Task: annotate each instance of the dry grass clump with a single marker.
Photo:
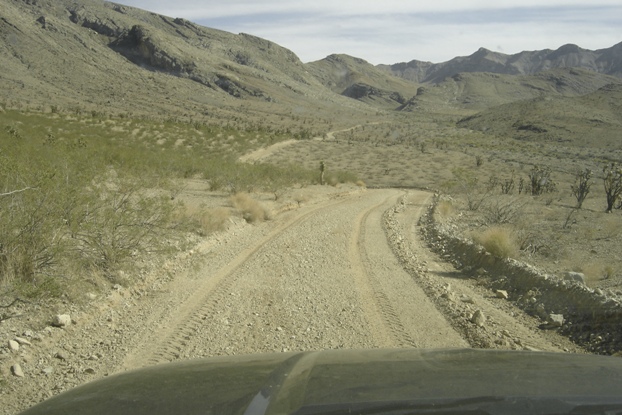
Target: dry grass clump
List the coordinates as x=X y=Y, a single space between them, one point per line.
x=204 y=220
x=213 y=220
x=596 y=271
x=499 y=241
x=444 y=210
x=252 y=210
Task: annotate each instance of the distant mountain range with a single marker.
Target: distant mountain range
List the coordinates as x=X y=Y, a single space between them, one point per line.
x=606 y=61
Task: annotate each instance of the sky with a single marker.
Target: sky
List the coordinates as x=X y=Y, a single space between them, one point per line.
x=393 y=31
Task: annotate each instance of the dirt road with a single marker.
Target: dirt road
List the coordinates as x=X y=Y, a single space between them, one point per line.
x=322 y=276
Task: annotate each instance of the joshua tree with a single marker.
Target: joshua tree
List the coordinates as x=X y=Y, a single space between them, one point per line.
x=540 y=180
x=613 y=184
x=581 y=186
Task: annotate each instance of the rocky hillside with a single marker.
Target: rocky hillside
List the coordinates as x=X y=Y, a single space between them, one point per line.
x=100 y=56
x=590 y=120
x=106 y=56
x=482 y=90
x=358 y=79
x=606 y=61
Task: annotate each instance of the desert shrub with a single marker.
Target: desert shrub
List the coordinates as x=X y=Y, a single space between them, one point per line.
x=444 y=209
x=531 y=242
x=507 y=186
x=203 y=220
x=31 y=206
x=123 y=221
x=30 y=240
x=521 y=185
x=540 y=181
x=68 y=202
x=581 y=186
x=595 y=271
x=215 y=219
x=612 y=180
x=466 y=183
x=251 y=210
x=498 y=241
x=503 y=209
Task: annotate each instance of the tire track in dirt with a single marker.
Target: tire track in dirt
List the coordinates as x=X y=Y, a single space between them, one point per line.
x=324 y=278
x=388 y=330
x=166 y=343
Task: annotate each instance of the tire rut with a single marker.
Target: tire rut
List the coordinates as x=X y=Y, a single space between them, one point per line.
x=388 y=328
x=167 y=343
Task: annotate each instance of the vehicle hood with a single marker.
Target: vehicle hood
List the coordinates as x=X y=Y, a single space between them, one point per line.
x=314 y=382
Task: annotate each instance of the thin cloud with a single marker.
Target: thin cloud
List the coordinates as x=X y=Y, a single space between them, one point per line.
x=396 y=31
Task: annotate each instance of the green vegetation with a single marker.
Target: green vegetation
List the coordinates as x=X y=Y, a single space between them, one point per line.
x=87 y=194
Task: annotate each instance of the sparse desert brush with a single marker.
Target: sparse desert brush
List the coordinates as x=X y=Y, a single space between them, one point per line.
x=215 y=219
x=499 y=241
x=251 y=210
x=205 y=220
x=503 y=209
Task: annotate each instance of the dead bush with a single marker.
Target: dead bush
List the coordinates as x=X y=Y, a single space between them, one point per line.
x=251 y=210
x=498 y=241
x=503 y=209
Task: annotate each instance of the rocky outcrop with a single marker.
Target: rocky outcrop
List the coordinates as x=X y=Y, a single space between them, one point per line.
x=361 y=91
x=104 y=26
x=143 y=47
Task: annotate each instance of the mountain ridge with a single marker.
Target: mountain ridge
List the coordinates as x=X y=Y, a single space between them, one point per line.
x=607 y=61
x=98 y=54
